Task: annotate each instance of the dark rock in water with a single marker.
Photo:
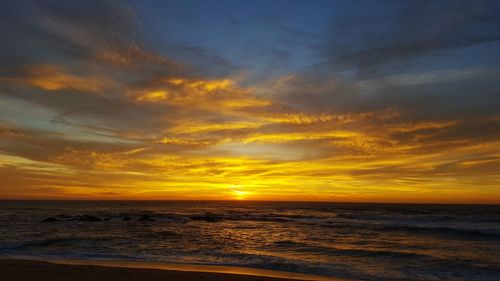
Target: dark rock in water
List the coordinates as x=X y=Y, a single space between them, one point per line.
x=146 y=218
x=85 y=218
x=126 y=218
x=207 y=218
x=89 y=218
x=63 y=216
x=51 y=219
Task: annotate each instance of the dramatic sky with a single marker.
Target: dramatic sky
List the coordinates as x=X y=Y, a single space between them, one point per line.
x=386 y=101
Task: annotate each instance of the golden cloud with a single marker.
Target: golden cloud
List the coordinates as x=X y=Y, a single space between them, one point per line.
x=53 y=78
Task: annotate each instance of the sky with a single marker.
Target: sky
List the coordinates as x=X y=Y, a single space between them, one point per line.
x=351 y=101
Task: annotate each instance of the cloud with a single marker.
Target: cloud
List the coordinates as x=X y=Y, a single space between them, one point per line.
x=54 y=78
x=385 y=42
x=406 y=51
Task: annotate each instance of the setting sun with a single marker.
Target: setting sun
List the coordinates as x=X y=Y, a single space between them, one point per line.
x=238 y=193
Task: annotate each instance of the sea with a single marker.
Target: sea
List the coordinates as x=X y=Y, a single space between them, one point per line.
x=345 y=240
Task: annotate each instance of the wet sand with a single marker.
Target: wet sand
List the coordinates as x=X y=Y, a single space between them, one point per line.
x=27 y=270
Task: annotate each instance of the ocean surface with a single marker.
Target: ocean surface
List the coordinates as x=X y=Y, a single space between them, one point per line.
x=361 y=241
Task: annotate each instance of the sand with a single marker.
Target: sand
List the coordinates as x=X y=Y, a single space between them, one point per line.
x=27 y=270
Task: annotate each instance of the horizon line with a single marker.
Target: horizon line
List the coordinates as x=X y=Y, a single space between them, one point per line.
x=250 y=201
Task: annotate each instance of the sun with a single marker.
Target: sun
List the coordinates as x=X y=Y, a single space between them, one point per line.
x=238 y=193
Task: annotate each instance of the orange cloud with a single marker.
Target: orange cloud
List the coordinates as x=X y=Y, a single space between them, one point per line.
x=54 y=78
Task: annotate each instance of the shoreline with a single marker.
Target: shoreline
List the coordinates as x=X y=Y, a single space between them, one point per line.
x=30 y=268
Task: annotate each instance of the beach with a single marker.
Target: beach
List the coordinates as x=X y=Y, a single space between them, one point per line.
x=26 y=270
x=301 y=240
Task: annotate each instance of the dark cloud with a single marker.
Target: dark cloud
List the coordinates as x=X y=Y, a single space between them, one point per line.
x=207 y=63
x=406 y=51
x=53 y=29
x=82 y=35
x=387 y=41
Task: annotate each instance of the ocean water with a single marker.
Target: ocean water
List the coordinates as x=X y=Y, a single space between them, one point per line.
x=360 y=241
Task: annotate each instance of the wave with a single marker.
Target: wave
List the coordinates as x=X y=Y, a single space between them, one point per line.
x=50 y=242
x=297 y=246
x=378 y=253
x=184 y=217
x=470 y=234
x=273 y=262
x=289 y=243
